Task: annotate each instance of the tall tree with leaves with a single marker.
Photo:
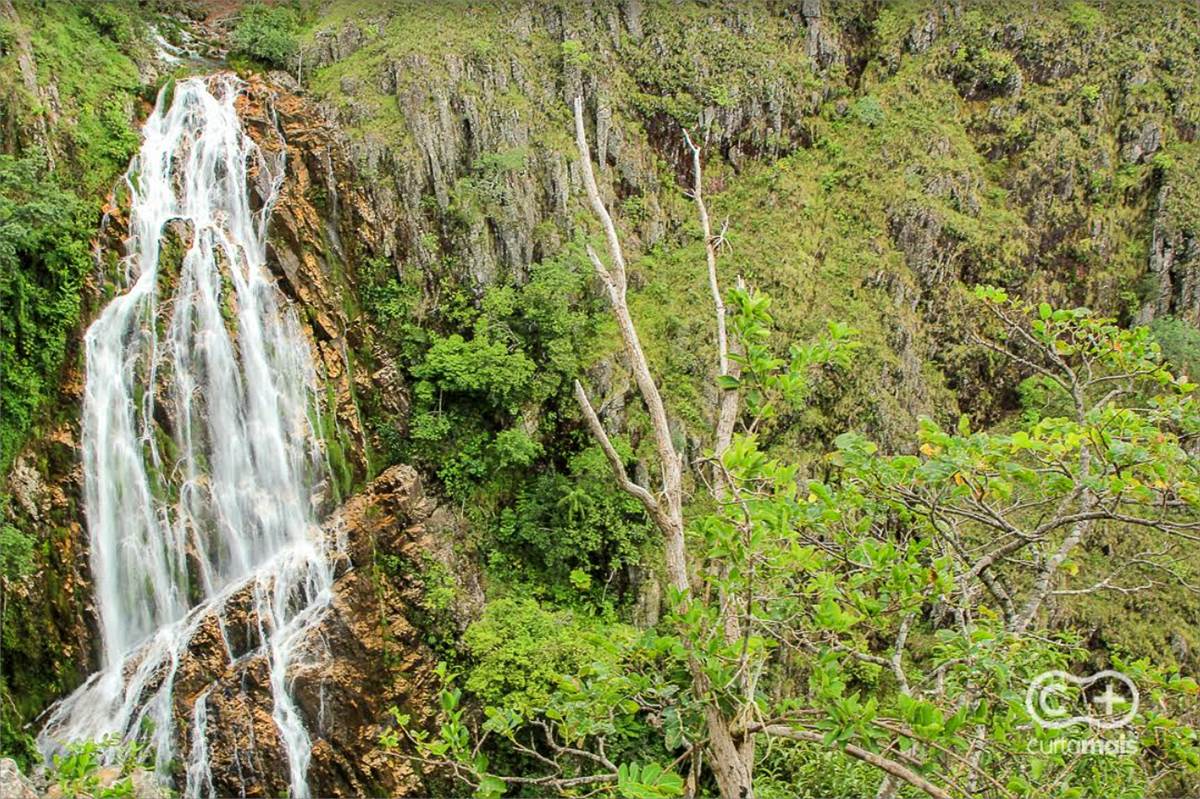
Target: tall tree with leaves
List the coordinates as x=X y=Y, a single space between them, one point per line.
x=893 y=612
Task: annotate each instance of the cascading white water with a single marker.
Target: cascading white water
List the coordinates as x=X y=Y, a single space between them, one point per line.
x=200 y=453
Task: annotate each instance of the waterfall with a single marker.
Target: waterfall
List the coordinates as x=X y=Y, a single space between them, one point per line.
x=200 y=451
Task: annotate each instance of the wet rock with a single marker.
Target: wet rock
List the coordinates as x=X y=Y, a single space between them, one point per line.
x=322 y=228
x=14 y=784
x=145 y=785
x=54 y=642
x=364 y=656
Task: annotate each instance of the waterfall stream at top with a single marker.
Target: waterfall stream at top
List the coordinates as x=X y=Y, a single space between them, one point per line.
x=200 y=454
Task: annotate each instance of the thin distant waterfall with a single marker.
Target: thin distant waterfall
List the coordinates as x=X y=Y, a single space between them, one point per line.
x=199 y=446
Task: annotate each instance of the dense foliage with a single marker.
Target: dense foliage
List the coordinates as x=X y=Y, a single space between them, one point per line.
x=44 y=256
x=870 y=166
x=492 y=419
x=887 y=606
x=266 y=33
x=48 y=216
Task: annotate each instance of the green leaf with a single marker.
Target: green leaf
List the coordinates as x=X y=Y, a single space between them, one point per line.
x=490 y=787
x=1018 y=786
x=647 y=782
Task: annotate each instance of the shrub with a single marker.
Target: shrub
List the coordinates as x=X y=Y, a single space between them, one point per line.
x=479 y=366
x=16 y=553
x=112 y=19
x=868 y=111
x=522 y=652
x=981 y=72
x=80 y=769
x=1084 y=17
x=574 y=54
x=576 y=521
x=266 y=33
x=1180 y=342
x=44 y=255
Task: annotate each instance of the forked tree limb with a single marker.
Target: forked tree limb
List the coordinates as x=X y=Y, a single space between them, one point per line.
x=671 y=517
x=733 y=772
x=614 y=459
x=727 y=411
x=728 y=399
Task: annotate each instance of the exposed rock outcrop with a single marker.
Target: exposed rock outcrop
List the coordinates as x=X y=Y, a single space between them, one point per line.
x=322 y=227
x=14 y=784
x=457 y=145
x=1173 y=280
x=365 y=656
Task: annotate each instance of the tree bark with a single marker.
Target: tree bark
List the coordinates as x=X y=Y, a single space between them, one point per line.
x=725 y=747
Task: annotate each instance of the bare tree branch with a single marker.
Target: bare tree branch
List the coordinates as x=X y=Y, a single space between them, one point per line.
x=614 y=459
x=731 y=767
x=615 y=281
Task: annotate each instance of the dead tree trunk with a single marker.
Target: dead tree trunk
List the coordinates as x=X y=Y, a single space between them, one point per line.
x=726 y=748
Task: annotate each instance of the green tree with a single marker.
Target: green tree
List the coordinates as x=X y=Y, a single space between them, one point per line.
x=892 y=612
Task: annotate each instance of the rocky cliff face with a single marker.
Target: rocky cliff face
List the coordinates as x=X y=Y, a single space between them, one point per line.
x=322 y=229
x=929 y=146
x=469 y=148
x=1172 y=282
x=368 y=655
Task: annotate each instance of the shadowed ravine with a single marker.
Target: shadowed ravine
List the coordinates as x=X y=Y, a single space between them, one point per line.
x=200 y=456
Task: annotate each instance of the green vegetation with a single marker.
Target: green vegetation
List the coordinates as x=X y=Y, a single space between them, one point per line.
x=266 y=34
x=888 y=606
x=995 y=152
x=521 y=652
x=491 y=417
x=48 y=216
x=871 y=168
x=16 y=554
x=70 y=87
x=44 y=256
x=1180 y=343
x=83 y=770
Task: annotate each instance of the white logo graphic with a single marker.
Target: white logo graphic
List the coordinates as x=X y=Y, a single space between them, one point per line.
x=1106 y=700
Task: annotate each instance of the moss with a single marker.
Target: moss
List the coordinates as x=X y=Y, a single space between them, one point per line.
x=337 y=447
